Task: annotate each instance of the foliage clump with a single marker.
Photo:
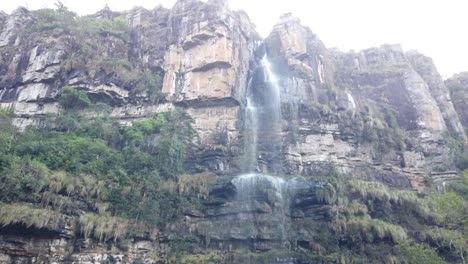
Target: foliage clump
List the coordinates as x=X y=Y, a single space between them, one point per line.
x=103 y=226
x=419 y=253
x=18 y=213
x=62 y=20
x=114 y=171
x=73 y=99
x=87 y=39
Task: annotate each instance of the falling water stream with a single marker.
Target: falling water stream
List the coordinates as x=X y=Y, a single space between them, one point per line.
x=263 y=123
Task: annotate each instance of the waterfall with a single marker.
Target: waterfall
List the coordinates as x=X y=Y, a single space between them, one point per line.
x=250 y=182
x=263 y=122
x=272 y=106
x=254 y=188
x=273 y=80
x=262 y=130
x=251 y=132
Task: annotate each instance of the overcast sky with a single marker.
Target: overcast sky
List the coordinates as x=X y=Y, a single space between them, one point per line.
x=436 y=28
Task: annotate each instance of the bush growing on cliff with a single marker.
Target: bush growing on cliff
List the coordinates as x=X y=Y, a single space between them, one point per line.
x=50 y=19
x=63 y=19
x=117 y=26
x=88 y=37
x=458 y=151
x=7 y=133
x=366 y=229
x=165 y=139
x=448 y=207
x=450 y=242
x=113 y=169
x=74 y=154
x=16 y=213
x=73 y=99
x=22 y=179
x=103 y=226
x=419 y=253
x=460 y=185
x=374 y=192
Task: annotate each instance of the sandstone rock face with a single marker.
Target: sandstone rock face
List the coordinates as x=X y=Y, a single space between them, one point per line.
x=209 y=58
x=201 y=52
x=300 y=56
x=51 y=246
x=426 y=69
x=322 y=88
x=204 y=48
x=19 y=19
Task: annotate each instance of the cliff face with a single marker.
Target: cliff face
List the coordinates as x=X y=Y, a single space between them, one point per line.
x=458 y=86
x=354 y=96
x=198 y=52
x=380 y=114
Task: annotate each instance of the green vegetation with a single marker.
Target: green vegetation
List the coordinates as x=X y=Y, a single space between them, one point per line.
x=366 y=222
x=369 y=220
x=103 y=226
x=28 y=216
x=375 y=192
x=115 y=171
x=369 y=230
x=449 y=207
x=88 y=37
x=459 y=151
x=61 y=20
x=116 y=178
x=419 y=253
x=196 y=185
x=117 y=26
x=48 y=19
x=73 y=99
x=378 y=128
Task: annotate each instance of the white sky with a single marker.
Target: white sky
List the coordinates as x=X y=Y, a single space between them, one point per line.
x=436 y=28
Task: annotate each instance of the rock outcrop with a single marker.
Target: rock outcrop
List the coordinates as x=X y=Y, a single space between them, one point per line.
x=196 y=54
x=324 y=89
x=458 y=86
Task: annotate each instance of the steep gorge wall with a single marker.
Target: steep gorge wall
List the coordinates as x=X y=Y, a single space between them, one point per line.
x=458 y=86
x=380 y=114
x=200 y=52
x=333 y=101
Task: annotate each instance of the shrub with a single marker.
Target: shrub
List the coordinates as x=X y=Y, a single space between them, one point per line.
x=71 y=153
x=117 y=27
x=50 y=19
x=368 y=229
x=159 y=142
x=191 y=185
x=11 y=214
x=22 y=179
x=449 y=241
x=73 y=99
x=171 y=156
x=103 y=226
x=109 y=167
x=83 y=186
x=448 y=207
x=460 y=185
x=7 y=132
x=419 y=253
x=378 y=192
